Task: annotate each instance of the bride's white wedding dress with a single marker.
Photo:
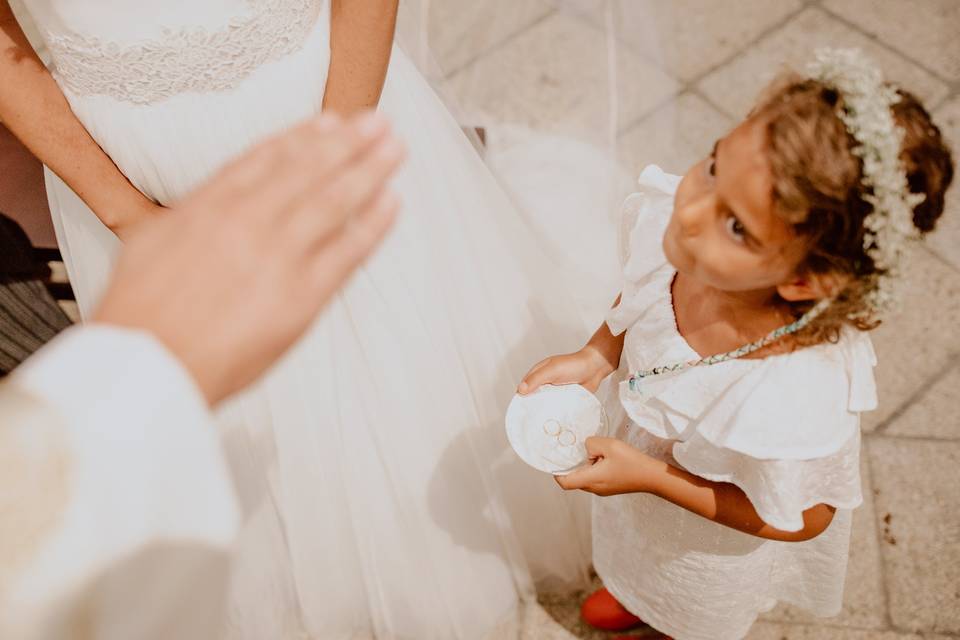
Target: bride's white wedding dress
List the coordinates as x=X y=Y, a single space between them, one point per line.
x=381 y=495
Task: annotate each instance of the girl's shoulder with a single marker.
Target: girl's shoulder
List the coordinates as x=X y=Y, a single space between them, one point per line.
x=798 y=405
x=795 y=406
x=788 y=432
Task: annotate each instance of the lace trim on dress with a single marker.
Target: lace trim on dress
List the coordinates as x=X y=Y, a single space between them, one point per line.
x=184 y=60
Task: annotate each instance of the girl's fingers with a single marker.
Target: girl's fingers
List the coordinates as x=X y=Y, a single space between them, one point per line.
x=567 y=482
x=592 y=385
x=557 y=370
x=597 y=446
x=582 y=478
x=524 y=386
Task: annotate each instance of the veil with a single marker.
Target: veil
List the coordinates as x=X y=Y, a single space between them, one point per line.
x=557 y=96
x=550 y=91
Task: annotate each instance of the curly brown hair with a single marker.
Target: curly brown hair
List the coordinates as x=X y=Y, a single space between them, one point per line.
x=818 y=189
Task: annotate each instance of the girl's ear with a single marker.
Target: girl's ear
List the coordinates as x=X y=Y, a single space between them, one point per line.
x=812 y=286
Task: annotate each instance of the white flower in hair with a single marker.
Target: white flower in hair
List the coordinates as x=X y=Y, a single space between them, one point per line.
x=867 y=114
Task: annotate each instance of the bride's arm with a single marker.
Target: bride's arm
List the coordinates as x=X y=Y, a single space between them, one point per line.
x=34 y=109
x=361 y=37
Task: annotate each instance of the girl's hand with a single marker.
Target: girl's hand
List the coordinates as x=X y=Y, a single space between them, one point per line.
x=615 y=468
x=586 y=367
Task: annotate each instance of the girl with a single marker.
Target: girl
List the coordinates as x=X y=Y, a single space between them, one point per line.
x=741 y=358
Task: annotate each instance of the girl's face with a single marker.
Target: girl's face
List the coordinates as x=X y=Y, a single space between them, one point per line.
x=724 y=231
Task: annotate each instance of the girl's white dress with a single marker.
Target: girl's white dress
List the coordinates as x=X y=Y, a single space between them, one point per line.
x=381 y=496
x=785 y=429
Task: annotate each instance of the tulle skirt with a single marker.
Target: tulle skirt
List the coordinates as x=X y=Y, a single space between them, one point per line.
x=382 y=499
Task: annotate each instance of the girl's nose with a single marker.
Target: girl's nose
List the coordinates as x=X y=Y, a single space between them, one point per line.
x=692 y=214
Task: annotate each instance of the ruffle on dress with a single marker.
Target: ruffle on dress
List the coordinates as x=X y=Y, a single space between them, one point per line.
x=644 y=220
x=785 y=429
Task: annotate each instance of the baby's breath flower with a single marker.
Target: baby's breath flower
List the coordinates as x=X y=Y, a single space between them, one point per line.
x=867 y=114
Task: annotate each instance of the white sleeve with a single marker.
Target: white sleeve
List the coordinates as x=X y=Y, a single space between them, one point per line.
x=141 y=546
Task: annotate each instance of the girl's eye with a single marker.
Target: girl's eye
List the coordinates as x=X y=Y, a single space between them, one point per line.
x=711 y=166
x=736 y=229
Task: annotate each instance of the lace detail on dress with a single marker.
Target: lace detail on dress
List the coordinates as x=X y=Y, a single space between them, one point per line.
x=189 y=59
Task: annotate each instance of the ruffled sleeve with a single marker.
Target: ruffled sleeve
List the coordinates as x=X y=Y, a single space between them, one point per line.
x=644 y=218
x=780 y=490
x=788 y=433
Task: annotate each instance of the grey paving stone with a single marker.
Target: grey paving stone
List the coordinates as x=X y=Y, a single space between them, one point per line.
x=549 y=74
x=460 y=31
x=926 y=30
x=686 y=37
x=864 y=600
x=945 y=239
x=935 y=414
x=697 y=35
x=565 y=610
x=919 y=508
x=535 y=624
x=735 y=86
x=675 y=136
x=920 y=339
x=775 y=631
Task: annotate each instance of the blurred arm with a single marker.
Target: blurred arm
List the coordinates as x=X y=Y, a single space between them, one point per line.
x=119 y=510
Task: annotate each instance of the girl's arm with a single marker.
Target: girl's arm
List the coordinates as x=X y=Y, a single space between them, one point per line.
x=34 y=109
x=620 y=468
x=361 y=38
x=588 y=367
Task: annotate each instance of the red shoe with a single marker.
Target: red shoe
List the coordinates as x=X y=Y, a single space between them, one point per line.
x=601 y=610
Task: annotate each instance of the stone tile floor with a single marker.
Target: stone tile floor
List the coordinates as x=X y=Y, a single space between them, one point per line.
x=694 y=67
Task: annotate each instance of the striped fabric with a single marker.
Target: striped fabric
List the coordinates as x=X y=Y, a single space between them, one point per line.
x=29 y=315
x=29 y=318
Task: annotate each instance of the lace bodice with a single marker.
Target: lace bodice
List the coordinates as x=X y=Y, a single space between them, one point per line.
x=183 y=58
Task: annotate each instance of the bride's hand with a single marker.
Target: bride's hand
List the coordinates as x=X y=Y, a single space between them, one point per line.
x=133 y=219
x=586 y=367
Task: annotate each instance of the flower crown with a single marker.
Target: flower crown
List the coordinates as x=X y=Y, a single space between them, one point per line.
x=867 y=114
